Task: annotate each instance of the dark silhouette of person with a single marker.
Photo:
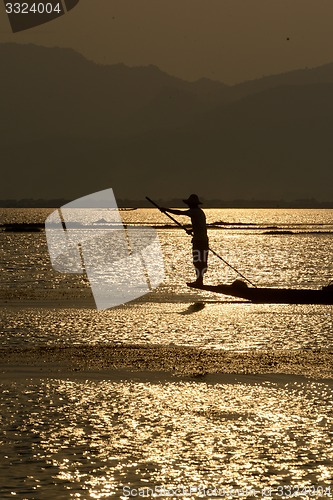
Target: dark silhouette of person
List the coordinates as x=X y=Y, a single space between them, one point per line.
x=199 y=232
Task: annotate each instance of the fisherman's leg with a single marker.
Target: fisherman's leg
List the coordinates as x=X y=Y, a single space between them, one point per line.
x=205 y=253
x=199 y=261
x=199 y=272
x=201 y=265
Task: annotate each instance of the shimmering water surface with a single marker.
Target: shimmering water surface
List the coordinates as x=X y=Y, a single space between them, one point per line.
x=67 y=437
x=70 y=439
x=56 y=307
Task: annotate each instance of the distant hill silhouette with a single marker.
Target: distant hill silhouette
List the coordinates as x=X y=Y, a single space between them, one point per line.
x=70 y=127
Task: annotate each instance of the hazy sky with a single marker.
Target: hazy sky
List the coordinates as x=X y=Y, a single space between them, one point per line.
x=227 y=40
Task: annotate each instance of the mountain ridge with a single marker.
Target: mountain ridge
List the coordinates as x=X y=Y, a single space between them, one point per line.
x=70 y=126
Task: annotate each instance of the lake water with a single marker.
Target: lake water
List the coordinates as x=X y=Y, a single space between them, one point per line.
x=64 y=436
x=64 y=311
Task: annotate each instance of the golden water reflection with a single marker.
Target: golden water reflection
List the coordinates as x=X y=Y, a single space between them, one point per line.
x=204 y=324
x=91 y=439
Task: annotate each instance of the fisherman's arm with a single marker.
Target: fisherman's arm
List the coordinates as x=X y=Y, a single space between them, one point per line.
x=176 y=212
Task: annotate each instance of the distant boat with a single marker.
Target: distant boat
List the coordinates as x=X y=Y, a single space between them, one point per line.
x=263 y=295
x=18 y=227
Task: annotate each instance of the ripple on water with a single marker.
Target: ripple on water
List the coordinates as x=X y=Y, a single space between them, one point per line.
x=70 y=439
x=225 y=325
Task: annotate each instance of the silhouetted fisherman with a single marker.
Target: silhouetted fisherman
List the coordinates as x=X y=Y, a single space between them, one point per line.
x=199 y=232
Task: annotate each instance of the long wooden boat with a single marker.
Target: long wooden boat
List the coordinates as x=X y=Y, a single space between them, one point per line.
x=272 y=295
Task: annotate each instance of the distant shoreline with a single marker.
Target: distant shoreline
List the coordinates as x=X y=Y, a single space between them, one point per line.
x=176 y=202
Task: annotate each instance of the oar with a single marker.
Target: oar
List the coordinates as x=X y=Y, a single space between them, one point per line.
x=190 y=232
